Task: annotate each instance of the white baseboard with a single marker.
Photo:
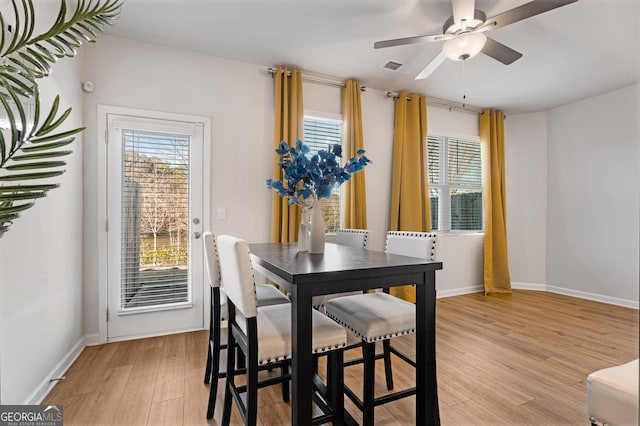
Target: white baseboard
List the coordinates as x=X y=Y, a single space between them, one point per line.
x=146 y=335
x=458 y=291
x=92 y=339
x=592 y=296
x=528 y=286
x=41 y=391
x=551 y=289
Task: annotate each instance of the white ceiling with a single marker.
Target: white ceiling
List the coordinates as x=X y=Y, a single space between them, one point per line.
x=576 y=51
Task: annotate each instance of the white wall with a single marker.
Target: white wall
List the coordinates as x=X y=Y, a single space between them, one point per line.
x=462 y=256
x=40 y=260
x=526 y=181
x=594 y=197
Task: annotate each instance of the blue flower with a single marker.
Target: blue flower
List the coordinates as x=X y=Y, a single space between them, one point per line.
x=308 y=179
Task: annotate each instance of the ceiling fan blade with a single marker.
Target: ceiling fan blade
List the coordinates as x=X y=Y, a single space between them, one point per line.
x=431 y=66
x=525 y=11
x=500 y=52
x=410 y=40
x=463 y=10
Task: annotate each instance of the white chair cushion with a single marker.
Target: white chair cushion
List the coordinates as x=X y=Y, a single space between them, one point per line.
x=274 y=333
x=373 y=316
x=269 y=295
x=320 y=301
x=612 y=395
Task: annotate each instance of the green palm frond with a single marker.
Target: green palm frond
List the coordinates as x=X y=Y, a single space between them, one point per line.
x=30 y=151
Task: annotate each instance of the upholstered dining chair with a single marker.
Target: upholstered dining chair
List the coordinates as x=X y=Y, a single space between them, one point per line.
x=266 y=295
x=356 y=238
x=264 y=336
x=352 y=237
x=379 y=316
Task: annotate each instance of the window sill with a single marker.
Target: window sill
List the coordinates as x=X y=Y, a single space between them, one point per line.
x=458 y=232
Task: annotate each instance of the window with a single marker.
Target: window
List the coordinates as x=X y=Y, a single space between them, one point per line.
x=455 y=184
x=155 y=210
x=322 y=133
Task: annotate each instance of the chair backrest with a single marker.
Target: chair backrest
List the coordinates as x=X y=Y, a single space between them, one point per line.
x=352 y=237
x=211 y=254
x=237 y=274
x=414 y=244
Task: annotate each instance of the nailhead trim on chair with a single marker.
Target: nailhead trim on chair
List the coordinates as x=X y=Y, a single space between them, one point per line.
x=315 y=351
x=373 y=339
x=358 y=231
x=253 y=277
x=414 y=234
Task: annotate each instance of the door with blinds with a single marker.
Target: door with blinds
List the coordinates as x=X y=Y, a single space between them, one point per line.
x=155 y=211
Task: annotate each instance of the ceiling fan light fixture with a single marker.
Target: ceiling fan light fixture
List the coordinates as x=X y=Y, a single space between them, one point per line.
x=464 y=46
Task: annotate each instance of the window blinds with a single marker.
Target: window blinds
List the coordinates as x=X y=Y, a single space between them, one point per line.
x=463 y=163
x=155 y=212
x=320 y=134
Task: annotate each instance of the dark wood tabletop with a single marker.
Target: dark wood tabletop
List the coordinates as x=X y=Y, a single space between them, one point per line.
x=337 y=263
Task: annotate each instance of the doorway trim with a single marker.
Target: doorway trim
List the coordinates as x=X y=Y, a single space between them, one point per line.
x=101 y=231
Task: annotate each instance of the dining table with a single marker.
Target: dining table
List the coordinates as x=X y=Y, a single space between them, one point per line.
x=344 y=269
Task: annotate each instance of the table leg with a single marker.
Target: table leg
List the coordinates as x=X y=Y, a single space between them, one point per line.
x=427 y=412
x=302 y=362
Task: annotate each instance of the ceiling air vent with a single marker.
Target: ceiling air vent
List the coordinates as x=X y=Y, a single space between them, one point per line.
x=392 y=65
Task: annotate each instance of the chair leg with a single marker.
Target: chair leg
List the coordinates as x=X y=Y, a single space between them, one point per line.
x=251 y=362
x=388 y=372
x=207 y=371
x=335 y=385
x=369 y=355
x=230 y=382
x=252 y=392
x=213 y=391
x=284 y=369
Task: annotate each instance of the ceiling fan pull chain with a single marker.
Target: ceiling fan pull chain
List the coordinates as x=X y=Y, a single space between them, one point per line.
x=464 y=85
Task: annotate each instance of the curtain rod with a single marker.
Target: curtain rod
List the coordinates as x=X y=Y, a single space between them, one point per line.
x=452 y=106
x=318 y=80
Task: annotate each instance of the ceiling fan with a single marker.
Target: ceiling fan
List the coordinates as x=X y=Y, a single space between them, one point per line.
x=464 y=36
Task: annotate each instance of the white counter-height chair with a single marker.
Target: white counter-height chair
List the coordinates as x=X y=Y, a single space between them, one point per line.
x=264 y=336
x=356 y=238
x=379 y=316
x=266 y=295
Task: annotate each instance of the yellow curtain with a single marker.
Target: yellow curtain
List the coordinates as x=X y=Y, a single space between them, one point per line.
x=410 y=209
x=356 y=193
x=288 y=119
x=496 y=264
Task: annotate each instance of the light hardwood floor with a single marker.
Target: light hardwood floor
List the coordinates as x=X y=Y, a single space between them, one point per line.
x=510 y=360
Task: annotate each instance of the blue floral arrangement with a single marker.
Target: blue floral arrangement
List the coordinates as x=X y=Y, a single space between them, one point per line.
x=309 y=178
